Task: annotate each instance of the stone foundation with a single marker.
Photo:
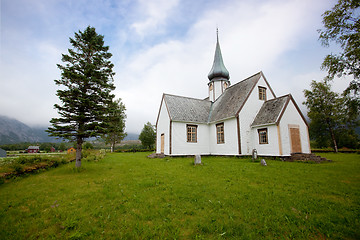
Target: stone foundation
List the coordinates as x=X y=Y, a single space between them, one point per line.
x=305 y=157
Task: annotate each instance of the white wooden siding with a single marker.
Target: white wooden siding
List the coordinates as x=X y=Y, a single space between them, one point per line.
x=292 y=116
x=180 y=146
x=272 y=147
x=248 y=114
x=163 y=127
x=230 y=147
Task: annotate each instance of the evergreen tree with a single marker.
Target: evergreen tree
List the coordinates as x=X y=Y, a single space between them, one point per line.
x=85 y=94
x=116 y=130
x=148 y=135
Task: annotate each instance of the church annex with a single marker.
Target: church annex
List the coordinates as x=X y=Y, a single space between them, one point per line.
x=232 y=120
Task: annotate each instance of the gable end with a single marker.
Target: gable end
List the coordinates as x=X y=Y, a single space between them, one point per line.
x=253 y=87
x=297 y=108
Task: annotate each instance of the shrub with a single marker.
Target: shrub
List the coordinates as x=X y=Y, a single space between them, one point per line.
x=55 y=164
x=90 y=158
x=93 y=155
x=17 y=168
x=21 y=160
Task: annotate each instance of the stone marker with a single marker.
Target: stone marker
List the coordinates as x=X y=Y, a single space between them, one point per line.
x=263 y=163
x=254 y=155
x=197 y=160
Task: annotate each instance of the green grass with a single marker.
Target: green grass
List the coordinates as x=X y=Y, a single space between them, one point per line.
x=127 y=196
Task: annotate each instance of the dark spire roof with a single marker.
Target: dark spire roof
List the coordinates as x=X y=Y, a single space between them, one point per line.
x=218 y=70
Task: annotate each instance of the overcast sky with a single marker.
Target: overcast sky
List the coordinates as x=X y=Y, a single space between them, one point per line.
x=158 y=46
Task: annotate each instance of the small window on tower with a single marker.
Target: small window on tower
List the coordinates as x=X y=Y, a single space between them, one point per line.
x=262 y=93
x=225 y=85
x=211 y=87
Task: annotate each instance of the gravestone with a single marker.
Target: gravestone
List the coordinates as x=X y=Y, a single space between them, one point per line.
x=263 y=163
x=197 y=160
x=254 y=155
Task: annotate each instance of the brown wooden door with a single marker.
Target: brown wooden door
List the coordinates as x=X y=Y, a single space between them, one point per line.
x=162 y=143
x=295 y=140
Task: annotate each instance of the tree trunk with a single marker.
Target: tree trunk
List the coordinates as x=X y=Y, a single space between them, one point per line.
x=112 y=147
x=333 y=140
x=78 y=152
x=332 y=135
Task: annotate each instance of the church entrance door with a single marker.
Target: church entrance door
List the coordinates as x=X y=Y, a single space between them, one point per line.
x=295 y=140
x=162 y=143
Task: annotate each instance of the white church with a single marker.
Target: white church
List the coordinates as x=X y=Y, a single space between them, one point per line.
x=232 y=120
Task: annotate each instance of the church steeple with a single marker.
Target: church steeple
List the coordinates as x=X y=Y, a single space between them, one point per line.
x=218 y=70
x=218 y=75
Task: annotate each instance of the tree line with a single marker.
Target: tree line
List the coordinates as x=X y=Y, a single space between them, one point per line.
x=334 y=117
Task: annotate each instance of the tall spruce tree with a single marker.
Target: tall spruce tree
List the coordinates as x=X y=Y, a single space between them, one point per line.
x=85 y=94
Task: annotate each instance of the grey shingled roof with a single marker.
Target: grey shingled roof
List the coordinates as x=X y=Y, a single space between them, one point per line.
x=203 y=111
x=187 y=109
x=270 y=111
x=232 y=100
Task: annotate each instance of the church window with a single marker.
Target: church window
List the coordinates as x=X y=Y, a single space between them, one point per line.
x=225 y=85
x=191 y=133
x=220 y=133
x=263 y=136
x=262 y=93
x=211 y=87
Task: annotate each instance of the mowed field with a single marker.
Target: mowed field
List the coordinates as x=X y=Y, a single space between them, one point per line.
x=128 y=196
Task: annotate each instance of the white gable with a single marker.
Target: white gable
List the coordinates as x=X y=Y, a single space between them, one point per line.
x=292 y=117
x=249 y=112
x=163 y=128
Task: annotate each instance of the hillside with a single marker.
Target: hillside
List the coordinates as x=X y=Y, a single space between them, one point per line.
x=14 y=131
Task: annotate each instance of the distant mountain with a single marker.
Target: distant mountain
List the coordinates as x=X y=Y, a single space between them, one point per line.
x=14 y=131
x=132 y=136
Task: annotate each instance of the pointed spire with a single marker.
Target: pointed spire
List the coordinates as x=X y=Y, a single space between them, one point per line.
x=218 y=69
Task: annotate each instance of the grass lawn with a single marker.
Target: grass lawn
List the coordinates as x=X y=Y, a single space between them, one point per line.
x=127 y=196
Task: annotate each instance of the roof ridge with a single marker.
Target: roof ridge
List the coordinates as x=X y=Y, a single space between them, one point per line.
x=244 y=80
x=276 y=98
x=237 y=84
x=186 y=97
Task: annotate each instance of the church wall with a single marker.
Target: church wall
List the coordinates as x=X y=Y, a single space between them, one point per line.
x=291 y=116
x=230 y=147
x=272 y=147
x=163 y=127
x=248 y=114
x=180 y=146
